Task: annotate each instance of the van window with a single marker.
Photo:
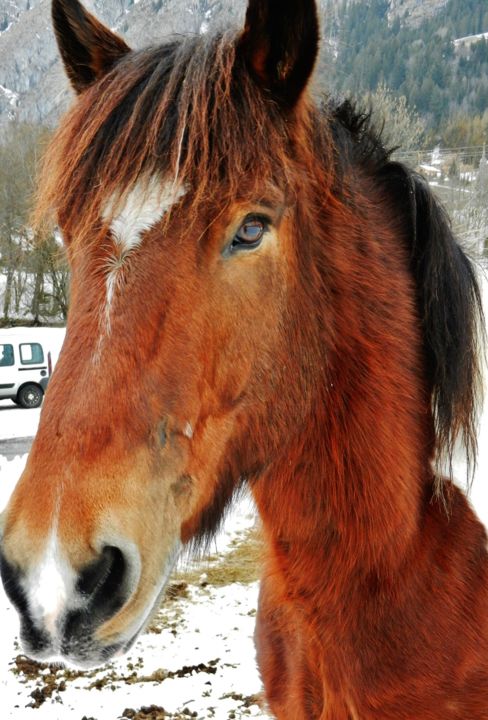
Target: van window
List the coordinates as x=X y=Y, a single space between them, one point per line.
x=31 y=354
x=6 y=355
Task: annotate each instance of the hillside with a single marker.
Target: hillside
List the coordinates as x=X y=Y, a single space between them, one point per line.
x=435 y=63
x=32 y=84
x=407 y=43
x=414 y=12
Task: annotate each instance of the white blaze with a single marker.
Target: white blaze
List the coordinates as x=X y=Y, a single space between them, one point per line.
x=142 y=208
x=50 y=587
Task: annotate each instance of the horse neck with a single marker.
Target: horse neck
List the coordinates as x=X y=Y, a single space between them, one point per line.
x=348 y=493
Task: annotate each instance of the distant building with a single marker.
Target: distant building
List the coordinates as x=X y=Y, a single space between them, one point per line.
x=430 y=171
x=466 y=42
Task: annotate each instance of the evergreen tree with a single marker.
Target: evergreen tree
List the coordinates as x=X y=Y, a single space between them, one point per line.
x=422 y=63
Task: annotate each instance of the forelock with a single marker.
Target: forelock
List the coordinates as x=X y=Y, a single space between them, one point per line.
x=188 y=110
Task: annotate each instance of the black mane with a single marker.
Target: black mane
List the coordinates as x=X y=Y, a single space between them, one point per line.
x=356 y=137
x=448 y=295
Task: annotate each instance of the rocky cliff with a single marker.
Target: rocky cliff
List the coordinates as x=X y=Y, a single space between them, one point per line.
x=415 y=12
x=32 y=83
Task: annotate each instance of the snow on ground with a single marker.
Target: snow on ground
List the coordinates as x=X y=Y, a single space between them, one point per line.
x=16 y=422
x=11 y=96
x=469 y=39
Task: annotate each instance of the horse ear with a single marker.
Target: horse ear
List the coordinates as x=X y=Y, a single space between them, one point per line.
x=280 y=43
x=87 y=47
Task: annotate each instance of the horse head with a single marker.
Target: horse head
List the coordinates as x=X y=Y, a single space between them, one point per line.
x=174 y=181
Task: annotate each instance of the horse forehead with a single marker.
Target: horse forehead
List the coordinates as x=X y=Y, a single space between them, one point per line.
x=132 y=213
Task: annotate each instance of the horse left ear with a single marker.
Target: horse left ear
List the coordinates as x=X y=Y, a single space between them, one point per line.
x=87 y=47
x=280 y=43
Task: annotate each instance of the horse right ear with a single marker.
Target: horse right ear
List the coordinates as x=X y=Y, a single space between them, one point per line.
x=280 y=45
x=87 y=47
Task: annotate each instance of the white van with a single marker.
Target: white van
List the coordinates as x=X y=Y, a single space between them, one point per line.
x=27 y=359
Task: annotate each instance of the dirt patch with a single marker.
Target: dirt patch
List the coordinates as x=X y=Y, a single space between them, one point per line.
x=27 y=667
x=157 y=676
x=51 y=679
x=177 y=590
x=31 y=670
x=154 y=712
x=242 y=564
x=187 y=670
x=40 y=694
x=246 y=701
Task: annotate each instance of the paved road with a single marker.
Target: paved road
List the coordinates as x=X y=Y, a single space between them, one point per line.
x=15 y=446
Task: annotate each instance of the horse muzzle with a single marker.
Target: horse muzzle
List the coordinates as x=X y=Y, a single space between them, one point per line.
x=63 y=613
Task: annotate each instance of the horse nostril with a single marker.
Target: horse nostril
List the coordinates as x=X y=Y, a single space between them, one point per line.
x=11 y=582
x=31 y=634
x=103 y=582
x=103 y=586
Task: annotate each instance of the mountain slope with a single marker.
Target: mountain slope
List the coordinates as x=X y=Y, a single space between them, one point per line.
x=33 y=87
x=441 y=77
x=32 y=84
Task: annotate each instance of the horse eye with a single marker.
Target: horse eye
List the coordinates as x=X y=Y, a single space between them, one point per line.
x=250 y=234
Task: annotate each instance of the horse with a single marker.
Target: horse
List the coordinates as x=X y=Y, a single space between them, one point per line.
x=261 y=296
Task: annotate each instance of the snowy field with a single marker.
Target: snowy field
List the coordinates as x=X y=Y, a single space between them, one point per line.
x=196 y=660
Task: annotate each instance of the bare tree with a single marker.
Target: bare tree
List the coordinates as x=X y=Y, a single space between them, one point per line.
x=35 y=275
x=476 y=211
x=50 y=273
x=402 y=126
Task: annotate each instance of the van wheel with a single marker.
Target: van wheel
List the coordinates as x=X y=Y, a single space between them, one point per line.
x=30 y=396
